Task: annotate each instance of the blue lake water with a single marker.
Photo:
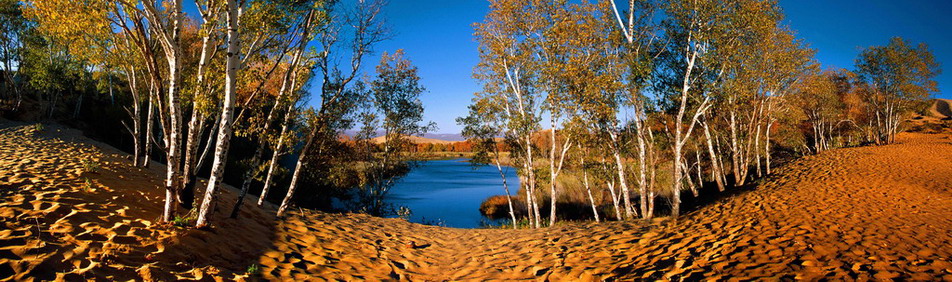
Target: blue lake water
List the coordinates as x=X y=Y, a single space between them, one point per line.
x=450 y=191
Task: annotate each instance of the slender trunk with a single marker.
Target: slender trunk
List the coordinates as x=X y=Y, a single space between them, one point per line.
x=715 y=164
x=173 y=56
x=200 y=163
x=149 y=132
x=767 y=146
x=615 y=200
x=298 y=167
x=555 y=170
x=288 y=84
x=588 y=189
x=505 y=185
x=136 y=118
x=294 y=179
x=532 y=182
x=678 y=143
x=676 y=190
x=173 y=140
x=552 y=173
x=195 y=126
x=642 y=159
x=697 y=165
x=735 y=151
x=79 y=105
x=273 y=163
x=620 y=170
x=757 y=150
x=224 y=131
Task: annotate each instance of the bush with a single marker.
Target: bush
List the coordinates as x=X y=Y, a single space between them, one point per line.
x=252 y=270
x=90 y=165
x=497 y=207
x=186 y=220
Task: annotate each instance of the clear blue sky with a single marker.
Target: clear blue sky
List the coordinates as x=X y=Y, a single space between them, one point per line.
x=438 y=37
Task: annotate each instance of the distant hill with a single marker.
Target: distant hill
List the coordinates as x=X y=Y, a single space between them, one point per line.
x=452 y=137
x=416 y=140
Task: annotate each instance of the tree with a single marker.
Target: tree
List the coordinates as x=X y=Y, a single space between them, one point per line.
x=305 y=16
x=897 y=75
x=481 y=127
x=635 y=45
x=228 y=109
x=13 y=25
x=392 y=105
x=336 y=99
x=509 y=41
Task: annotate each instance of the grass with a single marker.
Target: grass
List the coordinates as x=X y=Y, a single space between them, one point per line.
x=253 y=270
x=404 y=213
x=88 y=185
x=185 y=221
x=434 y=222
x=90 y=165
x=521 y=223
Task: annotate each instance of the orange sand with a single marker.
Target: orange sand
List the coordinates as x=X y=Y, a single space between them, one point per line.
x=872 y=212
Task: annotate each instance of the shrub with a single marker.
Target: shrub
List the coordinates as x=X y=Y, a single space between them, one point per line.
x=90 y=165
x=253 y=269
x=497 y=207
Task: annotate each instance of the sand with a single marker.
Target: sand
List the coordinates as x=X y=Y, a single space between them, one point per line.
x=940 y=108
x=871 y=212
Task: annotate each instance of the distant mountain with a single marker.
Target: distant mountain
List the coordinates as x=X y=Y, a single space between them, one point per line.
x=453 y=137
x=416 y=140
x=446 y=136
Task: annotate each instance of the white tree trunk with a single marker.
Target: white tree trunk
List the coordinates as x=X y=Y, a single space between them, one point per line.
x=588 y=188
x=715 y=163
x=195 y=126
x=620 y=170
x=505 y=185
x=225 y=129
x=273 y=163
x=298 y=167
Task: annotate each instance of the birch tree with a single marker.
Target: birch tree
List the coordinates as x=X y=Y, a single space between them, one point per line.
x=336 y=100
x=635 y=39
x=509 y=69
x=897 y=74
x=482 y=126
x=392 y=105
x=228 y=109
x=304 y=17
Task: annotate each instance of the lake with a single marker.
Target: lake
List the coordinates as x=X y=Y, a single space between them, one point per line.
x=450 y=191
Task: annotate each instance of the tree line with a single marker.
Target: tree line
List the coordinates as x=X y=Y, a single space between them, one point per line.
x=282 y=78
x=647 y=99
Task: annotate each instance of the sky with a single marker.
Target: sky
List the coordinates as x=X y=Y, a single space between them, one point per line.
x=437 y=36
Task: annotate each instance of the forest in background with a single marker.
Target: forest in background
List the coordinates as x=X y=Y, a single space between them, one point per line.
x=614 y=105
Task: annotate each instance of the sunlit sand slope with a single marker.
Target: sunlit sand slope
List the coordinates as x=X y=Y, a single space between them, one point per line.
x=872 y=212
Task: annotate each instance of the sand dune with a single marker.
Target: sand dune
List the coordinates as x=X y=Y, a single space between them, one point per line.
x=941 y=108
x=872 y=212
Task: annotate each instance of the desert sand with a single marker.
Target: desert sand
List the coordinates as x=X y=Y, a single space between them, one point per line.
x=870 y=212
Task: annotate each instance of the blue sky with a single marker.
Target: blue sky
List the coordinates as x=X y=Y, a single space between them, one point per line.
x=437 y=36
